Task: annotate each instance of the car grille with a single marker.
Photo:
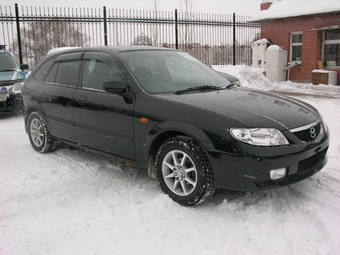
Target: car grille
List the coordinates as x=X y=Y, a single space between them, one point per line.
x=309 y=163
x=305 y=135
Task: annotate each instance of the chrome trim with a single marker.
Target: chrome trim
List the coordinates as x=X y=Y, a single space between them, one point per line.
x=315 y=123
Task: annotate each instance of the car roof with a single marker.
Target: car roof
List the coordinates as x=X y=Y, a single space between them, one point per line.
x=108 y=49
x=4 y=52
x=8 y=53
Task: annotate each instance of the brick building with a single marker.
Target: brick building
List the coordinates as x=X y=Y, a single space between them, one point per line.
x=308 y=29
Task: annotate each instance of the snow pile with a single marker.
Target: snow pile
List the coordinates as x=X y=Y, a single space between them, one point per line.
x=262 y=41
x=275 y=48
x=292 y=8
x=254 y=78
x=248 y=76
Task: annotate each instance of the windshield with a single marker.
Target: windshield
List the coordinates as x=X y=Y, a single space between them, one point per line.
x=163 y=71
x=7 y=63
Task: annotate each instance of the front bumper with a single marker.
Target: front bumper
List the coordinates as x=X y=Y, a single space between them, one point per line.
x=252 y=173
x=5 y=102
x=11 y=101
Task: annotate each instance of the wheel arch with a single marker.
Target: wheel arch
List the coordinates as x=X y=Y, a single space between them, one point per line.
x=166 y=130
x=33 y=107
x=187 y=177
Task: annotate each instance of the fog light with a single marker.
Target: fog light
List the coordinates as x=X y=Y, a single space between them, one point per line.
x=3 y=90
x=278 y=173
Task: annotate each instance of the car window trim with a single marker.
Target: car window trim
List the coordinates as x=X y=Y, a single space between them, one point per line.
x=70 y=56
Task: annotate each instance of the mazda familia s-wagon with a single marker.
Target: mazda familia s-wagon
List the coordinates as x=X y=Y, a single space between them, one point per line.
x=168 y=112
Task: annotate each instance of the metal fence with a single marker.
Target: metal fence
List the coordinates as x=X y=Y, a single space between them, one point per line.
x=30 y=32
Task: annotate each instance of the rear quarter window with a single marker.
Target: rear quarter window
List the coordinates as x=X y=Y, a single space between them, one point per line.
x=43 y=70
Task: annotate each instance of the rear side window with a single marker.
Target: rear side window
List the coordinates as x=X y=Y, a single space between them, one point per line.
x=64 y=72
x=67 y=72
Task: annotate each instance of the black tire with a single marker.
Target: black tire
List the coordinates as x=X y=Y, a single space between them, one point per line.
x=40 y=138
x=184 y=172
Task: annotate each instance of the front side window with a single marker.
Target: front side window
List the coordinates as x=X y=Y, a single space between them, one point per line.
x=96 y=72
x=296 y=46
x=331 y=47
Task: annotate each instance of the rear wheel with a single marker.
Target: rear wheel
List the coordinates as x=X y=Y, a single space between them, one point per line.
x=39 y=136
x=184 y=172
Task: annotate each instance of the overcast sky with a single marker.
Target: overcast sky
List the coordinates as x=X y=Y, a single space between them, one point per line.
x=241 y=7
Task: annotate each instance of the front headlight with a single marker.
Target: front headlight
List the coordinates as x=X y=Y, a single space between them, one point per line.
x=16 y=89
x=324 y=127
x=259 y=136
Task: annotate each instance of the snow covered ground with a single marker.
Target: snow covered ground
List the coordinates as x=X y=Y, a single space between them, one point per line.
x=75 y=202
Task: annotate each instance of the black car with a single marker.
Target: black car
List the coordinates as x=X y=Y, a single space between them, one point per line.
x=168 y=112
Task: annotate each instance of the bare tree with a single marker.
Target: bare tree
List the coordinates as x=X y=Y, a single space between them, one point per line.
x=155 y=4
x=142 y=40
x=187 y=7
x=39 y=37
x=155 y=7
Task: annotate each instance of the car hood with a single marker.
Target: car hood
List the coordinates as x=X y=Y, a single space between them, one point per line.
x=251 y=108
x=10 y=77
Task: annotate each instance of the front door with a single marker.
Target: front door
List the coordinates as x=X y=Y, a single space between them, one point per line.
x=103 y=121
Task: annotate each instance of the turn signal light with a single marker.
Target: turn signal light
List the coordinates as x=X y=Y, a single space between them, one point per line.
x=144 y=120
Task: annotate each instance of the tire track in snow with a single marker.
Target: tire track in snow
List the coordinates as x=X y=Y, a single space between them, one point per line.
x=272 y=214
x=327 y=183
x=96 y=171
x=299 y=209
x=108 y=181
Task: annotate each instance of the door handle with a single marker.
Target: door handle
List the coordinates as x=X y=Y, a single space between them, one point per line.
x=81 y=100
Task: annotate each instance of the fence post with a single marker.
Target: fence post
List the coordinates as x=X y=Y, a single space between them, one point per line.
x=105 y=26
x=18 y=32
x=176 y=29
x=234 y=39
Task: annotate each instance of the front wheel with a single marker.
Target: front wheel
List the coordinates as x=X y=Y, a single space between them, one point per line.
x=184 y=172
x=39 y=136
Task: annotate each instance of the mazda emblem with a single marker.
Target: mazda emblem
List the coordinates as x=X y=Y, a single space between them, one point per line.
x=312 y=133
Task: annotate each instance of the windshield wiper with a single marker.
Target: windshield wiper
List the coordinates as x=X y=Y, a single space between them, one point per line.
x=198 y=88
x=231 y=85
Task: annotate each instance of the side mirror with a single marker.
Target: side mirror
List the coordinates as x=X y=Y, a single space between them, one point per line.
x=116 y=87
x=24 y=67
x=120 y=88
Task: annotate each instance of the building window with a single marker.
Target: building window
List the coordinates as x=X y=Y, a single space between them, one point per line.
x=331 y=47
x=296 y=46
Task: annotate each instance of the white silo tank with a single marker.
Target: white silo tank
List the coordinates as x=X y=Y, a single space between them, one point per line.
x=276 y=62
x=259 y=49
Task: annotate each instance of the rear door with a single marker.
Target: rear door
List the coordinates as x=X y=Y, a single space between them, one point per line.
x=55 y=94
x=103 y=121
